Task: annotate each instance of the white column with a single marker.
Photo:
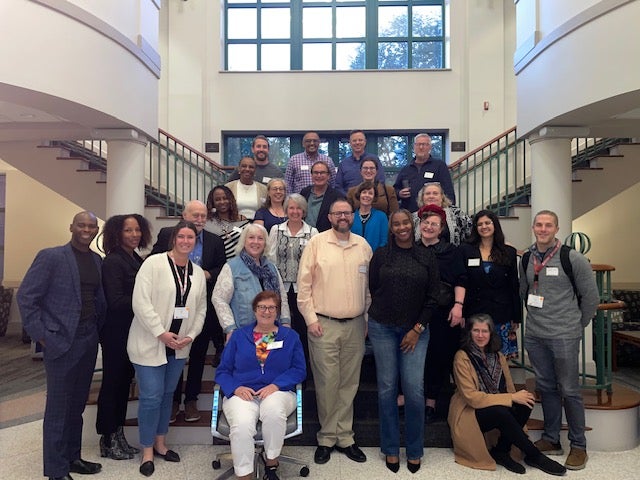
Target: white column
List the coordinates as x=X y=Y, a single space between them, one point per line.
x=125 y=176
x=551 y=180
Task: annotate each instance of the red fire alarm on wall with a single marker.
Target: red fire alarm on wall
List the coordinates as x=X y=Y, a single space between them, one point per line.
x=485 y=106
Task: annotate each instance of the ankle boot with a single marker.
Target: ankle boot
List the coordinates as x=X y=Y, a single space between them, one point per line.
x=110 y=448
x=124 y=445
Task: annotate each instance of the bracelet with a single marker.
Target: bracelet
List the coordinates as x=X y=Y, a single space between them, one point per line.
x=416 y=331
x=459 y=303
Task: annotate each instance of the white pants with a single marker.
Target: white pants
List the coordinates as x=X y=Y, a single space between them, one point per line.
x=243 y=415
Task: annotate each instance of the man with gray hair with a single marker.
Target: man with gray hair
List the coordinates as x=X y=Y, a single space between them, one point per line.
x=560 y=292
x=423 y=169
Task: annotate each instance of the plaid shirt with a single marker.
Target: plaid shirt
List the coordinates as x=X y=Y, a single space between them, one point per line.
x=298 y=172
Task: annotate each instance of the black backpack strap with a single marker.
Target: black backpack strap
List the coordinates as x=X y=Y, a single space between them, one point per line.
x=565 y=261
x=525 y=263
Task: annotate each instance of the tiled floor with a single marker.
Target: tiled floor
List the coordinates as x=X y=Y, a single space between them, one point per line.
x=21 y=459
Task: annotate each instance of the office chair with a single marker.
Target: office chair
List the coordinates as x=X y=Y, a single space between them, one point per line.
x=220 y=429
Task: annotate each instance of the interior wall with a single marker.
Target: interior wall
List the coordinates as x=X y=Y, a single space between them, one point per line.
x=198 y=101
x=614 y=228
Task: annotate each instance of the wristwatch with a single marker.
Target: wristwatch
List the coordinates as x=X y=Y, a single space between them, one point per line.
x=419 y=328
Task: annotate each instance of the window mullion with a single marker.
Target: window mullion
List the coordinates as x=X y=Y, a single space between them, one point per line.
x=296 y=35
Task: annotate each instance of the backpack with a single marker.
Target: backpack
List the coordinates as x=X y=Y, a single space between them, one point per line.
x=566 y=267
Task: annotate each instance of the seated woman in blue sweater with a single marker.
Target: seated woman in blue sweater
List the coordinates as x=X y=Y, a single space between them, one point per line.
x=258 y=373
x=368 y=222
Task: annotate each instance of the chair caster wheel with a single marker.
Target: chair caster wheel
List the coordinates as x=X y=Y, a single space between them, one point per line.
x=216 y=464
x=304 y=472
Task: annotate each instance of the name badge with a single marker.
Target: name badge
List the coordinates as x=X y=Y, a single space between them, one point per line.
x=535 y=300
x=473 y=262
x=275 y=345
x=304 y=167
x=181 y=312
x=428 y=174
x=303 y=241
x=266 y=179
x=362 y=269
x=552 y=271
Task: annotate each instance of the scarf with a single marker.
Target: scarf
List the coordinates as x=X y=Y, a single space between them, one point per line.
x=488 y=368
x=266 y=275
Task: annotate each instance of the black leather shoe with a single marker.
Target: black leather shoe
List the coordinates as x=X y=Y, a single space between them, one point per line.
x=322 y=455
x=393 y=466
x=66 y=477
x=147 y=468
x=170 y=456
x=413 y=467
x=84 y=467
x=353 y=452
x=504 y=459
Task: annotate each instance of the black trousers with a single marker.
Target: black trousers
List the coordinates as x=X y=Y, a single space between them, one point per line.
x=509 y=420
x=117 y=373
x=211 y=331
x=299 y=325
x=68 y=382
x=444 y=342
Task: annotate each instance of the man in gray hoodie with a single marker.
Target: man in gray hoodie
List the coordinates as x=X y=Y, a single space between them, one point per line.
x=559 y=306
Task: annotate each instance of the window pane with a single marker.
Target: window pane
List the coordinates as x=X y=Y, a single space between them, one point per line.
x=392 y=55
x=392 y=22
x=274 y=1
x=350 y=56
x=427 y=21
x=316 y=56
x=275 y=57
x=236 y=148
x=350 y=22
x=241 y=1
x=427 y=55
x=317 y=22
x=392 y=151
x=279 y=150
x=242 y=57
x=242 y=23
x=276 y=23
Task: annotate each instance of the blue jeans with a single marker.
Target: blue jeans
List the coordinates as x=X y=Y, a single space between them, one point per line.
x=391 y=363
x=156 y=386
x=555 y=362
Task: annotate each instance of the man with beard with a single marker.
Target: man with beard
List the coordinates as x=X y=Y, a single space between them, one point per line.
x=333 y=296
x=265 y=170
x=298 y=172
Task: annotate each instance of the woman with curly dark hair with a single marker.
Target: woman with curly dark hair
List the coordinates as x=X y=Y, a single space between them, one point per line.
x=223 y=218
x=492 y=279
x=122 y=235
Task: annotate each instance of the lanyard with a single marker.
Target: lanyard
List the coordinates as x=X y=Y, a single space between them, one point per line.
x=538 y=266
x=181 y=283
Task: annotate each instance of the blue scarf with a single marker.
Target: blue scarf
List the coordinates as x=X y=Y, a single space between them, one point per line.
x=267 y=276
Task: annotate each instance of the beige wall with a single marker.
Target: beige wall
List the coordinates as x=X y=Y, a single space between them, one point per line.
x=614 y=229
x=198 y=101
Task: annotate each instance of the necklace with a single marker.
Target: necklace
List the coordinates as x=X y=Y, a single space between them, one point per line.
x=225 y=225
x=364 y=217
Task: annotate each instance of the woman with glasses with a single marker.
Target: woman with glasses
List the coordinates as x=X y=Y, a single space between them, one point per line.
x=385 y=200
x=492 y=279
x=403 y=281
x=242 y=278
x=260 y=368
x=486 y=400
x=447 y=323
x=273 y=211
x=458 y=226
x=367 y=221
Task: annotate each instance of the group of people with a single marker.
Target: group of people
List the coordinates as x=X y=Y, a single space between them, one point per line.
x=295 y=284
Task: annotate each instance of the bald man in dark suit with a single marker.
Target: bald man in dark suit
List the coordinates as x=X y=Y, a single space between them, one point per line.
x=62 y=307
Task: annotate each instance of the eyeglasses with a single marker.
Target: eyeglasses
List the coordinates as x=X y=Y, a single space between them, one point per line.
x=277 y=189
x=484 y=224
x=368 y=168
x=421 y=144
x=341 y=214
x=319 y=173
x=431 y=224
x=266 y=308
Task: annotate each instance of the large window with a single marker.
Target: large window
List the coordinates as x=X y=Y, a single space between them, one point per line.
x=334 y=34
x=395 y=150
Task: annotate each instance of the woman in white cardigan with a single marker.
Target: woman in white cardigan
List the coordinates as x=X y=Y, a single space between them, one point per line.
x=169 y=305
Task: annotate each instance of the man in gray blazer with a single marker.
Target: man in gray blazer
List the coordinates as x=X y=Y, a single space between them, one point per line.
x=62 y=307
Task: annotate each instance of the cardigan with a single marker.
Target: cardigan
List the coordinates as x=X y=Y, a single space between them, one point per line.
x=284 y=367
x=375 y=230
x=154 y=297
x=469 y=445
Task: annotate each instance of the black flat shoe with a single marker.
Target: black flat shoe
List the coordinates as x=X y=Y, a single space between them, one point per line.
x=353 y=452
x=66 y=477
x=322 y=455
x=170 y=456
x=147 y=468
x=504 y=459
x=413 y=467
x=84 y=467
x=393 y=466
